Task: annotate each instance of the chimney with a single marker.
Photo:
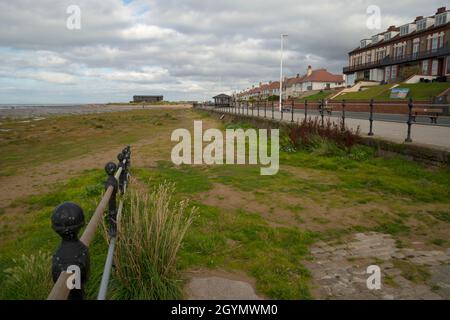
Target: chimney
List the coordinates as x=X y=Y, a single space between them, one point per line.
x=309 y=71
x=441 y=10
x=270 y=82
x=418 y=18
x=260 y=84
x=298 y=75
x=392 y=28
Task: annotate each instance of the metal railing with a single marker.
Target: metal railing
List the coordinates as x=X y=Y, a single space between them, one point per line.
x=390 y=60
x=411 y=111
x=73 y=253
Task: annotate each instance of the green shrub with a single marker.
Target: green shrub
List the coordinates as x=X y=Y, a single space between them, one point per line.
x=151 y=232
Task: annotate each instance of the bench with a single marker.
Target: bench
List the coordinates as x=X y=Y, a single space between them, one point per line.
x=431 y=113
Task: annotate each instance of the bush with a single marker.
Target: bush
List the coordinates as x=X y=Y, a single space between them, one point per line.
x=29 y=279
x=305 y=134
x=151 y=232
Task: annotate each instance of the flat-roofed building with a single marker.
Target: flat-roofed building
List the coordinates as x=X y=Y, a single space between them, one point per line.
x=149 y=99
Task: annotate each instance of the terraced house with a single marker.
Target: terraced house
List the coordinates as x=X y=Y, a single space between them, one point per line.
x=313 y=80
x=420 y=47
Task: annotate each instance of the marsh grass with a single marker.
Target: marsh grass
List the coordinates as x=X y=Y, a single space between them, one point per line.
x=151 y=233
x=29 y=279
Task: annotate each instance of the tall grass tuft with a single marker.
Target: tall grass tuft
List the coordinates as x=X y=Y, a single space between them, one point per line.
x=305 y=133
x=151 y=232
x=29 y=279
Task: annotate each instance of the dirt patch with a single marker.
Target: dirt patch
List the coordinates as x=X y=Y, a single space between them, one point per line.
x=219 y=285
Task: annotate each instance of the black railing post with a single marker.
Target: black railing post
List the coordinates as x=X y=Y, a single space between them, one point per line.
x=273 y=109
x=265 y=109
x=371 y=119
x=281 y=117
x=343 y=114
x=247 y=106
x=257 y=106
x=409 y=123
x=321 y=106
x=72 y=255
x=111 y=169
x=253 y=107
x=292 y=110
x=306 y=108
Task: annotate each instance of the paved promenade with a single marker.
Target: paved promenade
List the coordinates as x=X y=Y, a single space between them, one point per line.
x=431 y=135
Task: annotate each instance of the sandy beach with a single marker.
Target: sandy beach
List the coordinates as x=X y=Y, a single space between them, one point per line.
x=17 y=111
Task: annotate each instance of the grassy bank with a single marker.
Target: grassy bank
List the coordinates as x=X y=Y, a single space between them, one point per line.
x=262 y=226
x=417 y=91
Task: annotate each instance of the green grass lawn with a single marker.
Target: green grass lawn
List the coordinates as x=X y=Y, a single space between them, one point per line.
x=318 y=96
x=418 y=91
x=262 y=226
x=367 y=94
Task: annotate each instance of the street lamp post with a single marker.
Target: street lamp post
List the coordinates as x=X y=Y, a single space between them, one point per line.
x=281 y=70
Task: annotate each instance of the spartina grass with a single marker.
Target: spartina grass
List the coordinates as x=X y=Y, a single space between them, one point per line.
x=151 y=232
x=29 y=279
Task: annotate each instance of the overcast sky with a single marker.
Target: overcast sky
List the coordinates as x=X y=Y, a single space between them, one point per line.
x=185 y=49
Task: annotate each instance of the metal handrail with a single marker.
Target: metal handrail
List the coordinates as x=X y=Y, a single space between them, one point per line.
x=60 y=290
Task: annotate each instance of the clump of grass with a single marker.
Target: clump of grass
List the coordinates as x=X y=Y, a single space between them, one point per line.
x=306 y=132
x=29 y=279
x=151 y=233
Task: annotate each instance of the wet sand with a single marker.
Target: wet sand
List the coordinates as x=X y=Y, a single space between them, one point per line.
x=44 y=111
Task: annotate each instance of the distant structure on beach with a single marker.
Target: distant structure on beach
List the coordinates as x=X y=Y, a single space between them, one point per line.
x=150 y=99
x=222 y=100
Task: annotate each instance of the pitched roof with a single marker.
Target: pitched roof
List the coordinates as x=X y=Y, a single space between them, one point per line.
x=222 y=95
x=322 y=75
x=274 y=85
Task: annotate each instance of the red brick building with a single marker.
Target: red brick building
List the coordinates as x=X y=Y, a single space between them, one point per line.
x=419 y=47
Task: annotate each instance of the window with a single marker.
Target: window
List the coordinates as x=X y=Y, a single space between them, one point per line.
x=387 y=74
x=387 y=36
x=434 y=68
x=399 y=51
x=415 y=49
x=425 y=67
x=404 y=30
x=422 y=24
x=441 y=19
x=441 y=40
x=434 y=44
x=394 y=72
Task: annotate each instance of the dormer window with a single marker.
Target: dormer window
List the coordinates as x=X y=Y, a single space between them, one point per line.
x=387 y=36
x=376 y=38
x=365 y=43
x=441 y=19
x=421 y=24
x=404 y=30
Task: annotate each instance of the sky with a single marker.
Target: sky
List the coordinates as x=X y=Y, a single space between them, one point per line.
x=184 y=50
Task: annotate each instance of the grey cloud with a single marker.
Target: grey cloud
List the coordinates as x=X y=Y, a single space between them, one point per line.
x=188 y=48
